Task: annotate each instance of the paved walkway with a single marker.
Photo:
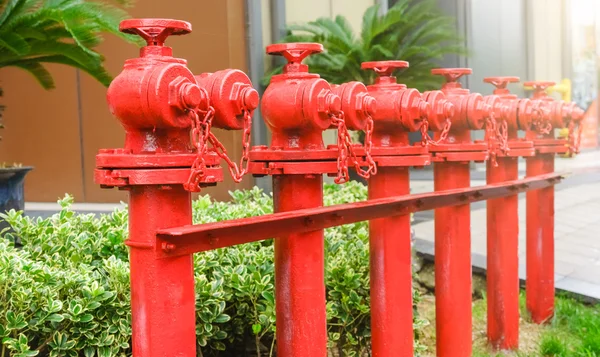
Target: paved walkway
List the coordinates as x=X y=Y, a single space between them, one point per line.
x=577 y=214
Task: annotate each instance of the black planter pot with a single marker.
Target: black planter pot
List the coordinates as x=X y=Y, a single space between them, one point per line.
x=12 y=190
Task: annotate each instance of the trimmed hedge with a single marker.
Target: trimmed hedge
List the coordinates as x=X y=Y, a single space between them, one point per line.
x=66 y=291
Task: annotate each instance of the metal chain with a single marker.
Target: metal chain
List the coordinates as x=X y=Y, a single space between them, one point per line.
x=345 y=138
x=502 y=137
x=574 y=139
x=490 y=128
x=541 y=126
x=428 y=140
x=342 y=159
x=237 y=172
x=199 y=135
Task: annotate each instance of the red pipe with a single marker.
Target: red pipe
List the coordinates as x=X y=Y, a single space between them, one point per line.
x=503 y=259
x=540 y=242
x=391 y=276
x=299 y=272
x=163 y=301
x=452 y=264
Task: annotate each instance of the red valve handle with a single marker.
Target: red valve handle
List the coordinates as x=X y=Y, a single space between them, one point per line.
x=539 y=85
x=384 y=68
x=451 y=74
x=501 y=82
x=155 y=31
x=294 y=52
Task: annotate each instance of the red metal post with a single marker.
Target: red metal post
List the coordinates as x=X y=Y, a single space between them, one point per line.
x=540 y=203
x=502 y=219
x=540 y=242
x=158 y=101
x=453 y=224
x=299 y=272
x=400 y=110
x=297 y=106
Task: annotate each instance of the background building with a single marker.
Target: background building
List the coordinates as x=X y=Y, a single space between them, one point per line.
x=59 y=132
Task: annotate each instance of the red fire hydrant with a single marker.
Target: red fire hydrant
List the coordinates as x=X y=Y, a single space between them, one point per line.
x=400 y=110
x=503 y=238
x=298 y=106
x=158 y=100
x=452 y=224
x=540 y=203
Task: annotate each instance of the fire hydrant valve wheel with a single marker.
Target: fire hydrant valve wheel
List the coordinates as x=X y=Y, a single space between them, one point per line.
x=155 y=31
x=384 y=68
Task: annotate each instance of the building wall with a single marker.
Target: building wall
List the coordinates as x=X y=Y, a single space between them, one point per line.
x=59 y=132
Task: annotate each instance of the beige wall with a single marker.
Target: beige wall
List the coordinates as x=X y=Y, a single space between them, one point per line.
x=43 y=128
x=546 y=19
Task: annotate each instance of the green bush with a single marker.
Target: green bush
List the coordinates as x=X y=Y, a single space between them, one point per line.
x=66 y=291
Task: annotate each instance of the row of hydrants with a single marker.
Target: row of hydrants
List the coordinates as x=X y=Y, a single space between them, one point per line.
x=156 y=93
x=170 y=150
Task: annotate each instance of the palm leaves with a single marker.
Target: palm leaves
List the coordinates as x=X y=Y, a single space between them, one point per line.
x=413 y=31
x=36 y=32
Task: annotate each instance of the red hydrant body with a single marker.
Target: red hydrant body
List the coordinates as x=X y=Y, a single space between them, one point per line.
x=540 y=203
x=503 y=237
x=400 y=110
x=159 y=101
x=452 y=224
x=298 y=106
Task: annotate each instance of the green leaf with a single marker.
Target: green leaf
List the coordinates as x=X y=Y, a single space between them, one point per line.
x=55 y=318
x=222 y=318
x=86 y=318
x=256 y=328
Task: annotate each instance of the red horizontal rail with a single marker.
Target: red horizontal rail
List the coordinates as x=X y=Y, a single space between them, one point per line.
x=202 y=237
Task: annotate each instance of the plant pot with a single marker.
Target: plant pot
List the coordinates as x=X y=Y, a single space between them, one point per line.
x=12 y=190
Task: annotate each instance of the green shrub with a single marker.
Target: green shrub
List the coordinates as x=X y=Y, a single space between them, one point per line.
x=66 y=291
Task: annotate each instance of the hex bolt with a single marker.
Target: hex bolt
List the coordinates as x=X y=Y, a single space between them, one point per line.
x=249 y=98
x=167 y=247
x=333 y=103
x=190 y=95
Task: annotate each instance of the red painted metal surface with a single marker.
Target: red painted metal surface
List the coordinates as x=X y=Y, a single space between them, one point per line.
x=154 y=98
x=390 y=269
x=160 y=103
x=452 y=264
x=400 y=110
x=452 y=224
x=209 y=236
x=540 y=204
x=540 y=242
x=299 y=272
x=502 y=220
x=297 y=107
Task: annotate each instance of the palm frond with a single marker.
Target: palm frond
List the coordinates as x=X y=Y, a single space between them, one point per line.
x=34 y=32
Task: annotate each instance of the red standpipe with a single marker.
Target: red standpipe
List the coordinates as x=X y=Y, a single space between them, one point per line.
x=452 y=224
x=298 y=106
x=400 y=110
x=154 y=166
x=503 y=218
x=540 y=203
